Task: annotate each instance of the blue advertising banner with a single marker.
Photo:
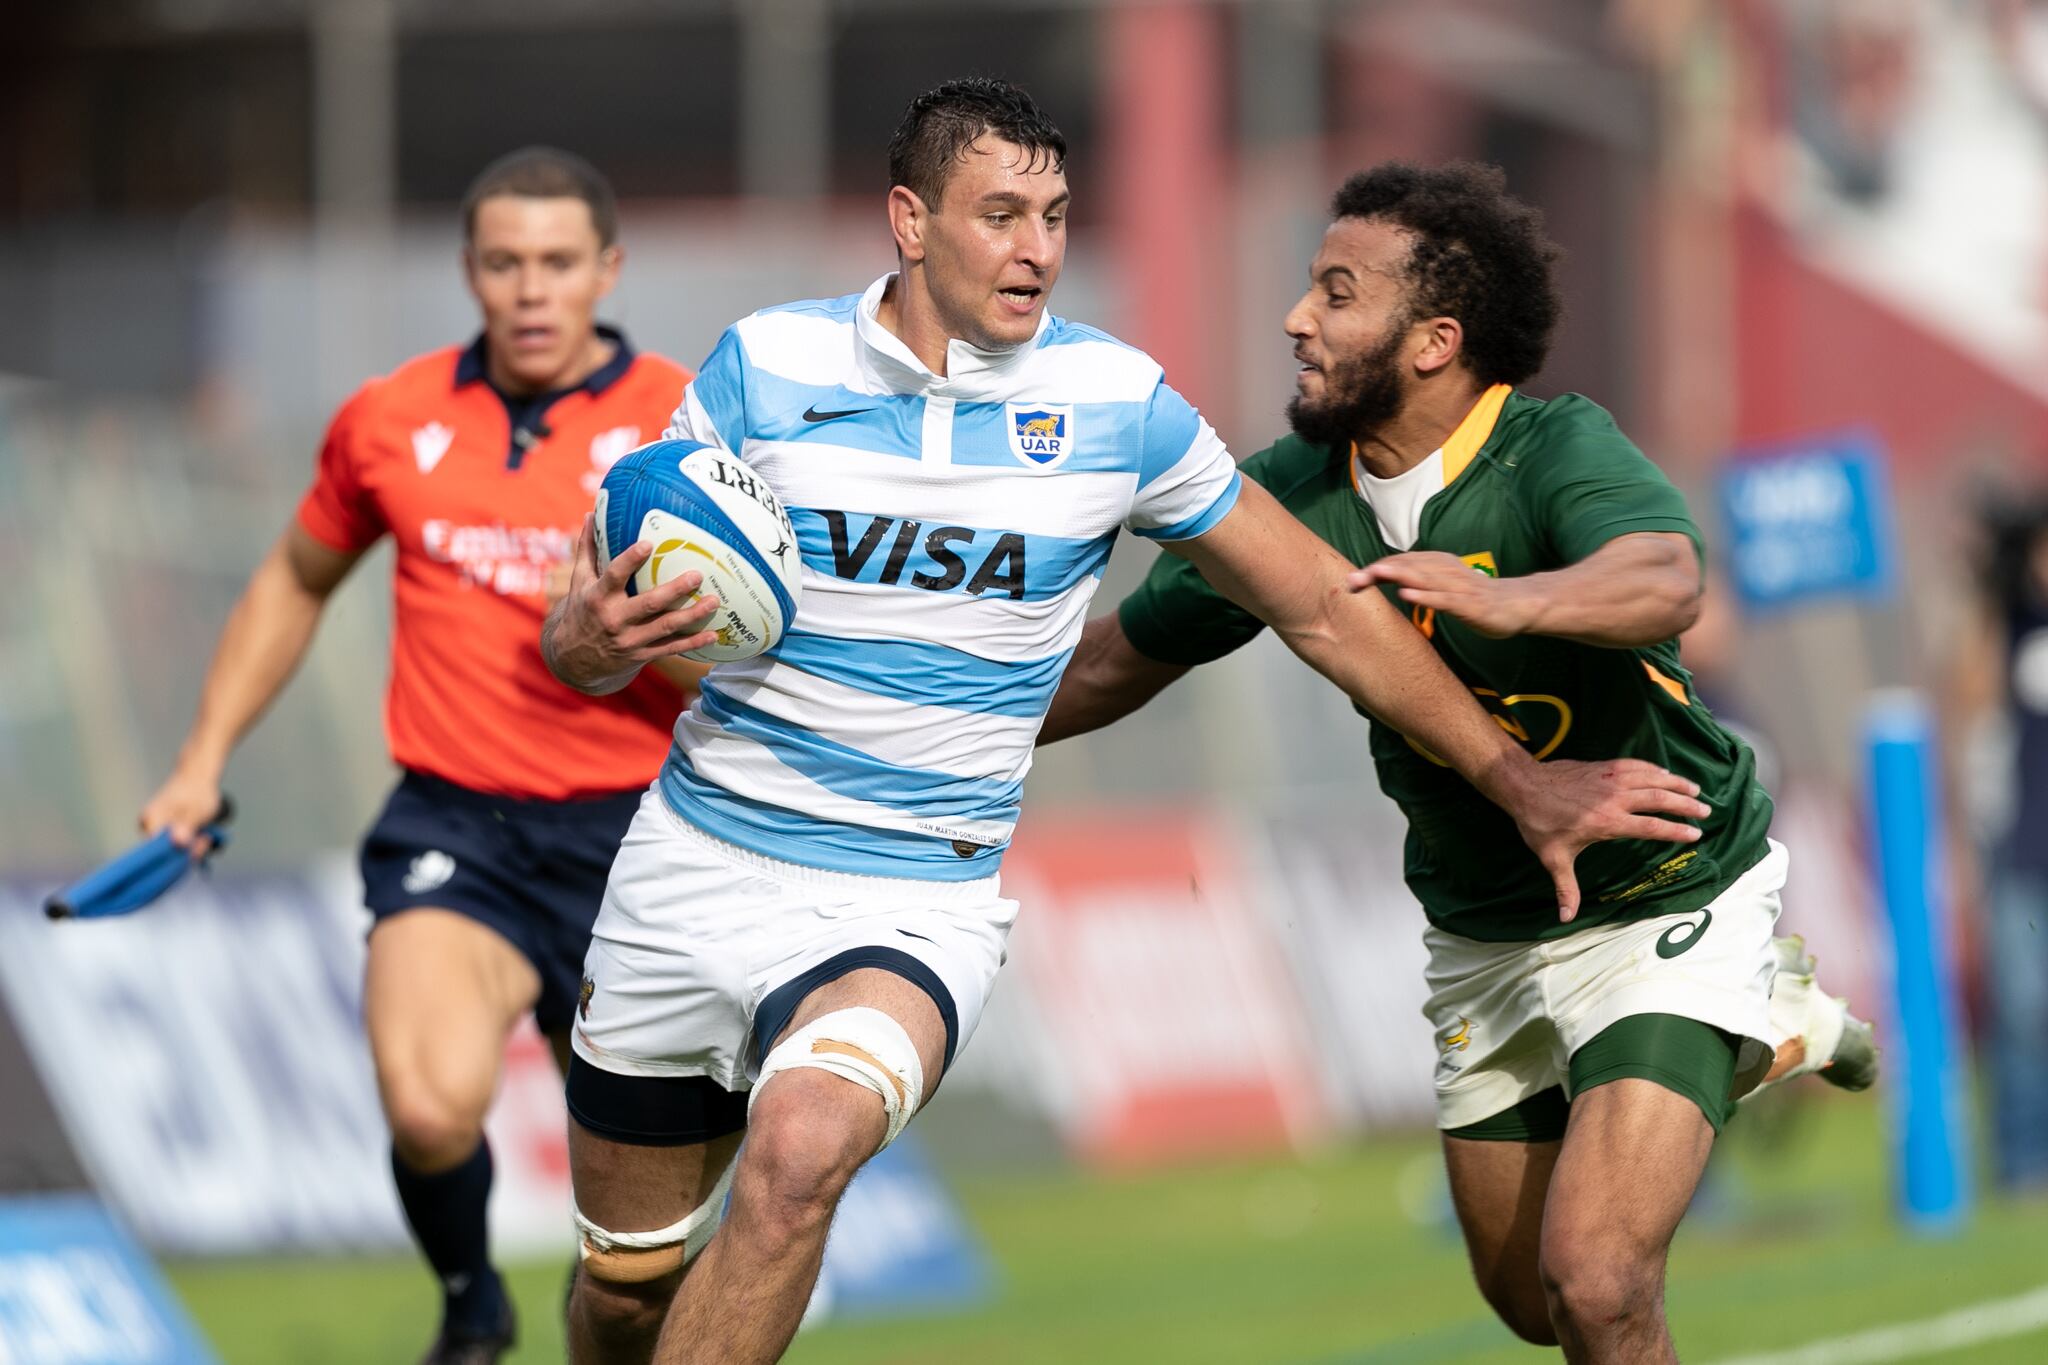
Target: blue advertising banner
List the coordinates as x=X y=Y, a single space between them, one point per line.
x=207 y=1058
x=1808 y=521
x=75 y=1290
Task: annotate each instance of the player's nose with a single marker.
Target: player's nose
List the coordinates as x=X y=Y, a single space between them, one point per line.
x=1033 y=244
x=1300 y=320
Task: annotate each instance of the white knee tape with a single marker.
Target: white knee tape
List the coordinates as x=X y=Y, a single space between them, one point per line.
x=634 y=1257
x=862 y=1045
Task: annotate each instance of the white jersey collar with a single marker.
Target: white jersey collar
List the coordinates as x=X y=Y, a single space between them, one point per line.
x=970 y=371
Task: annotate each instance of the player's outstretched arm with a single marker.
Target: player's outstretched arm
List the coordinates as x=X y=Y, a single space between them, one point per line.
x=1638 y=589
x=1273 y=566
x=597 y=637
x=1105 y=681
x=266 y=635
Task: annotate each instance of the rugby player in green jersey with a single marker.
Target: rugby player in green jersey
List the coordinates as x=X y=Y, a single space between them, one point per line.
x=1588 y=1057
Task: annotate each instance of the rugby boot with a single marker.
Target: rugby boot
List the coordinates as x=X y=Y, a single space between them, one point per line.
x=458 y=1347
x=1821 y=1036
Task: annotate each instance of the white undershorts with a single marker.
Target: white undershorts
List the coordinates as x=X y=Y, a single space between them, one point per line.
x=695 y=934
x=1508 y=1016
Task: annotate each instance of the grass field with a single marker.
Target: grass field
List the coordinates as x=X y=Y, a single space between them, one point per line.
x=1338 y=1259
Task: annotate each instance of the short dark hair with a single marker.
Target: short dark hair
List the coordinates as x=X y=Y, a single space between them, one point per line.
x=545 y=173
x=942 y=123
x=1479 y=255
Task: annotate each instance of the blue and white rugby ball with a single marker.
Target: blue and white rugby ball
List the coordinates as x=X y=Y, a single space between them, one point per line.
x=702 y=509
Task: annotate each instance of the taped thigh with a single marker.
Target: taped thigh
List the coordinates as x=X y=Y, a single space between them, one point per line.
x=637 y=1257
x=862 y=1045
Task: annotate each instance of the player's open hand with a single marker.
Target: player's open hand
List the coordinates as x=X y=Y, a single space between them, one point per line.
x=1497 y=607
x=186 y=802
x=1567 y=805
x=597 y=637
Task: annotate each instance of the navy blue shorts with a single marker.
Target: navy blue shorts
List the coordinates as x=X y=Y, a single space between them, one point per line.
x=534 y=871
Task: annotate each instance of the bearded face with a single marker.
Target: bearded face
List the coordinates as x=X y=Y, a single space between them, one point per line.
x=1358 y=391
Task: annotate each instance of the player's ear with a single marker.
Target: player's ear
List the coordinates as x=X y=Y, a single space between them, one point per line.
x=1443 y=340
x=609 y=261
x=469 y=270
x=908 y=216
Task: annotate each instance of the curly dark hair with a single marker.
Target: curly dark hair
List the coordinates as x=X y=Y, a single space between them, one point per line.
x=943 y=122
x=1479 y=256
x=545 y=173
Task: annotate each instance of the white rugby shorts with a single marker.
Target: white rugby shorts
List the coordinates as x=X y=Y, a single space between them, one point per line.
x=695 y=935
x=1508 y=1016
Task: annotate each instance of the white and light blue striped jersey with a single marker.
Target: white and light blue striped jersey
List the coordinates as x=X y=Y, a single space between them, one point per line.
x=953 y=529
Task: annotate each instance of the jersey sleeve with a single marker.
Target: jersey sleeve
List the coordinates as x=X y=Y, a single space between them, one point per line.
x=337 y=510
x=1175 y=617
x=714 y=407
x=1591 y=484
x=1187 y=481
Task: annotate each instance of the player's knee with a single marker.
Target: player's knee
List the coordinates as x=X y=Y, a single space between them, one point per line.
x=803 y=1148
x=621 y=1319
x=432 y=1130
x=1592 y=1288
x=865 y=1049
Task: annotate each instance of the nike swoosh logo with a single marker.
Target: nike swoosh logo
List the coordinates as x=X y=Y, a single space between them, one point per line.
x=812 y=414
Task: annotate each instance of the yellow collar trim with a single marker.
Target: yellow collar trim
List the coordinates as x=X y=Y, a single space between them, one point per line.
x=1473 y=432
x=1465 y=442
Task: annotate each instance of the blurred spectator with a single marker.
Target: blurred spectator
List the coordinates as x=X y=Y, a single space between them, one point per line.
x=2003 y=671
x=1850 y=71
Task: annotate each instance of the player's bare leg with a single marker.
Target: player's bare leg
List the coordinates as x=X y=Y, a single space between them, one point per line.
x=809 y=1131
x=1498 y=1189
x=615 y=1318
x=441 y=993
x=1630 y=1160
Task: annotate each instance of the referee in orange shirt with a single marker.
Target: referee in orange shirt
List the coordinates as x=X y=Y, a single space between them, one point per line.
x=486 y=867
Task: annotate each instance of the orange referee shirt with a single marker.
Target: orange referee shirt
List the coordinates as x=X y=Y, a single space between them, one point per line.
x=482 y=495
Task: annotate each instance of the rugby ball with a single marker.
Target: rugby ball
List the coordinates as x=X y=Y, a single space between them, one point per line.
x=702 y=509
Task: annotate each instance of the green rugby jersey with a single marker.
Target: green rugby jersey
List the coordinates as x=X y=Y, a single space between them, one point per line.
x=1530 y=485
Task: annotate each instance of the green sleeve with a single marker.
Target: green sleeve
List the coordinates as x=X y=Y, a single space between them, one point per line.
x=1587 y=483
x=1175 y=617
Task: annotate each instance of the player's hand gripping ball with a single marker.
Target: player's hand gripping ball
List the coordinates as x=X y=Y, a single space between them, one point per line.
x=702 y=509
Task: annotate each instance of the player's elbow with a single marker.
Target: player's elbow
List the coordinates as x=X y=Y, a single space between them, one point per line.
x=1683 y=602
x=1668 y=591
